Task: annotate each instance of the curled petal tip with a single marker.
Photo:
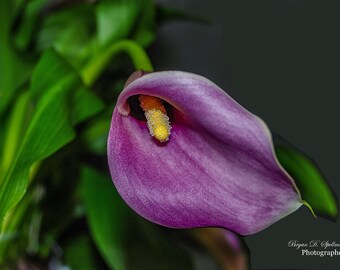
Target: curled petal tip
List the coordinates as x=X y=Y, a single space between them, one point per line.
x=134 y=76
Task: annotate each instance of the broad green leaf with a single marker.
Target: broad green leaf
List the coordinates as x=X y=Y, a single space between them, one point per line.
x=73 y=39
x=314 y=189
x=84 y=103
x=50 y=70
x=125 y=240
x=51 y=126
x=115 y=19
x=107 y=223
x=14 y=69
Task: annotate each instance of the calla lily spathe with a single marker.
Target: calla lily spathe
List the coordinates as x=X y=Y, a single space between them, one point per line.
x=218 y=168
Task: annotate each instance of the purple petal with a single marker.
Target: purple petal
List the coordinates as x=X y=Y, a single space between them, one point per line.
x=218 y=168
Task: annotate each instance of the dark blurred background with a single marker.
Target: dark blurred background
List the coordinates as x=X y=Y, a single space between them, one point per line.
x=279 y=59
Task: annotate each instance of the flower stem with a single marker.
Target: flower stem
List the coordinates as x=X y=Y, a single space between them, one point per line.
x=95 y=67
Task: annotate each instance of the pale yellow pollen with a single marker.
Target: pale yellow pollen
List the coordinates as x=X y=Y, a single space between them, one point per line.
x=158 y=124
x=157 y=120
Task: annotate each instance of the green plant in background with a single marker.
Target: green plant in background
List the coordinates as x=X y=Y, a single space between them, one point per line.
x=62 y=67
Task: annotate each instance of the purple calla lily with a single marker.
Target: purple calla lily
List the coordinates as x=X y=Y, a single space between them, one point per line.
x=217 y=169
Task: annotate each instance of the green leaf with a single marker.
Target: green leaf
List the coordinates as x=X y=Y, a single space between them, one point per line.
x=115 y=19
x=53 y=89
x=125 y=240
x=73 y=39
x=50 y=128
x=106 y=216
x=14 y=69
x=85 y=104
x=50 y=71
x=314 y=189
